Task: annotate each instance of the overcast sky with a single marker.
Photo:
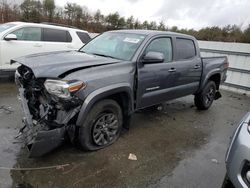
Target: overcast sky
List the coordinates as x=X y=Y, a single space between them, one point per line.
x=182 y=13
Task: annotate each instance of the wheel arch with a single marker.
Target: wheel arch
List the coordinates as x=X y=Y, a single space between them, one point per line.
x=121 y=93
x=213 y=76
x=216 y=78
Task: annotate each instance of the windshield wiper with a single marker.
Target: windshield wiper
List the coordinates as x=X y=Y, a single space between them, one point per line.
x=104 y=55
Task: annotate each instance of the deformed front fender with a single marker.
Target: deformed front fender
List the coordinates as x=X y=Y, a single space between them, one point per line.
x=102 y=93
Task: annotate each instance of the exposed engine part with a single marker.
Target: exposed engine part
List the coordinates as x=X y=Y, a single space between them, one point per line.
x=43 y=106
x=46 y=117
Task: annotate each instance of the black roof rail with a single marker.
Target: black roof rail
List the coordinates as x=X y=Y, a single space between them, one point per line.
x=56 y=24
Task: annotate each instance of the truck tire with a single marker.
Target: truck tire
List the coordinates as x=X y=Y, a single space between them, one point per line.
x=205 y=98
x=102 y=126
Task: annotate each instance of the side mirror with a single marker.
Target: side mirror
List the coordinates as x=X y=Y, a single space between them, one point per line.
x=10 y=37
x=153 y=57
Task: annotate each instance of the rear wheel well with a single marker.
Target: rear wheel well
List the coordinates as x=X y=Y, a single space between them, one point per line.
x=216 y=79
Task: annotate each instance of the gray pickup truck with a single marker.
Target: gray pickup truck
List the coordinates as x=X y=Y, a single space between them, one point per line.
x=90 y=94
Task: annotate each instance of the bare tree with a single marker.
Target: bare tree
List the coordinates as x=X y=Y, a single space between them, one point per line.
x=75 y=15
x=49 y=8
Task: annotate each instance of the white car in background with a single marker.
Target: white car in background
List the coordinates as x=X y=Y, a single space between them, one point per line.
x=20 y=39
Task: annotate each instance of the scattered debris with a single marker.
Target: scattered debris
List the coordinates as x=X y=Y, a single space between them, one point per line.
x=215 y=161
x=159 y=108
x=89 y=176
x=71 y=169
x=6 y=109
x=132 y=157
x=235 y=97
x=58 y=167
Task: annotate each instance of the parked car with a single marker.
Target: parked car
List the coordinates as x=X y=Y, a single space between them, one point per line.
x=91 y=93
x=238 y=156
x=21 y=39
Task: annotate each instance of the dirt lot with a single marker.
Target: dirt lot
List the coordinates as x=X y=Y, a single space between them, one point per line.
x=176 y=146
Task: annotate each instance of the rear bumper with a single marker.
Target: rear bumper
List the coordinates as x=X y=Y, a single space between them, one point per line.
x=238 y=154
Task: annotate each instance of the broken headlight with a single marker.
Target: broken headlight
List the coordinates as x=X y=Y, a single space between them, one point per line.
x=62 y=88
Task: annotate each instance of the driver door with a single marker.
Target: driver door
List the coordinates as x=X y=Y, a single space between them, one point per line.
x=155 y=80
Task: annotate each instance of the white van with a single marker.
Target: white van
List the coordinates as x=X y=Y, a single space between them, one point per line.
x=20 y=39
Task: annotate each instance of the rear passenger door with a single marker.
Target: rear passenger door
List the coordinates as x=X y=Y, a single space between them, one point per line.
x=188 y=67
x=56 y=40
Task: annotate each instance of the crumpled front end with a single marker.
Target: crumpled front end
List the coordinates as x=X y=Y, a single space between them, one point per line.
x=46 y=117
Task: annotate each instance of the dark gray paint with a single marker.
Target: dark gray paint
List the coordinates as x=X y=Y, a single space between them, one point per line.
x=225 y=52
x=146 y=84
x=54 y=64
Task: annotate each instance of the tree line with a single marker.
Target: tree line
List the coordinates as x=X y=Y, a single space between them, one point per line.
x=79 y=16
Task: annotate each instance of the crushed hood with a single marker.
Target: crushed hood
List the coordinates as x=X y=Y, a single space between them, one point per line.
x=59 y=64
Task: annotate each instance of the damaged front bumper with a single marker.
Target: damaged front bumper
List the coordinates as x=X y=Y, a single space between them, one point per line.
x=43 y=141
x=39 y=137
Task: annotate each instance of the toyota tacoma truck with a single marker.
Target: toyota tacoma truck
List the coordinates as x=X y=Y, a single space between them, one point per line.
x=90 y=94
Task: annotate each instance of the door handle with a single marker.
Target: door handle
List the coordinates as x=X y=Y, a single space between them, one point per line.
x=172 y=70
x=197 y=66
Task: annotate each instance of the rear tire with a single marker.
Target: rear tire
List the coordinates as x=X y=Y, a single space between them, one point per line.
x=205 y=98
x=102 y=126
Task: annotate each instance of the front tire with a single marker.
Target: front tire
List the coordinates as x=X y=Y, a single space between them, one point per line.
x=102 y=126
x=205 y=98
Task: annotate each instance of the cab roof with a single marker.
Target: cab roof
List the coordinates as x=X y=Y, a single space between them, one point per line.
x=152 y=32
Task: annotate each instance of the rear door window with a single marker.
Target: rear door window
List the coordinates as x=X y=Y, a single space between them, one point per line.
x=56 y=35
x=185 y=49
x=83 y=36
x=29 y=34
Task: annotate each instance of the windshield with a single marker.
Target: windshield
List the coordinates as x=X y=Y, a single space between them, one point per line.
x=116 y=45
x=4 y=27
